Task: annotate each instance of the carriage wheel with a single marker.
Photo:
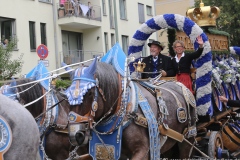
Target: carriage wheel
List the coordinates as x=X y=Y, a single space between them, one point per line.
x=215 y=143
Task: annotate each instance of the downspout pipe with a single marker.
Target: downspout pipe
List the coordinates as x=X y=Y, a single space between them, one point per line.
x=55 y=33
x=115 y=20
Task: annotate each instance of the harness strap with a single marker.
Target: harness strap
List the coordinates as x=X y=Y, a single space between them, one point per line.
x=44 y=106
x=154 y=136
x=119 y=93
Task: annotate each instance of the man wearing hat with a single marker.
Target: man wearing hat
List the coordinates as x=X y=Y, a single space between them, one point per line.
x=158 y=62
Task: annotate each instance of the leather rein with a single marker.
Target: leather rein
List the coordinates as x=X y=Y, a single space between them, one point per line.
x=89 y=117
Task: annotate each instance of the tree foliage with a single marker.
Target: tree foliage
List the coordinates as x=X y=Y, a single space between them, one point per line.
x=229 y=19
x=8 y=66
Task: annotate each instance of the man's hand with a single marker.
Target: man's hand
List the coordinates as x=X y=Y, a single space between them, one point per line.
x=223 y=99
x=164 y=74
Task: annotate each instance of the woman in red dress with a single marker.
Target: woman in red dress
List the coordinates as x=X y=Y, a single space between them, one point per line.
x=184 y=61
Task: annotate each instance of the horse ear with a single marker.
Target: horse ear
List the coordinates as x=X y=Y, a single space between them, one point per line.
x=92 y=68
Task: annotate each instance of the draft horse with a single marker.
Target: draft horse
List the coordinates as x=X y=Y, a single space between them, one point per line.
x=19 y=136
x=95 y=96
x=54 y=131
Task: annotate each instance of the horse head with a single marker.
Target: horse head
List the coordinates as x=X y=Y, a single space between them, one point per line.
x=91 y=95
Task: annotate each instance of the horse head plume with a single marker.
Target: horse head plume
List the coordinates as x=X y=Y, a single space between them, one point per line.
x=13 y=84
x=83 y=80
x=10 y=90
x=90 y=71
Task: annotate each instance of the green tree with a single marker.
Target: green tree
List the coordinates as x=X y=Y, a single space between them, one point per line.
x=8 y=66
x=229 y=19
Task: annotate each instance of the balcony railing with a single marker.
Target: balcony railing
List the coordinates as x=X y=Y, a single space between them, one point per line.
x=75 y=56
x=79 y=9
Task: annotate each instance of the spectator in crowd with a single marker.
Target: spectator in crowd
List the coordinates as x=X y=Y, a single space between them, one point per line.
x=62 y=2
x=5 y=43
x=89 y=13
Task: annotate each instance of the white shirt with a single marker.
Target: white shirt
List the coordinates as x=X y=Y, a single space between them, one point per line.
x=155 y=58
x=176 y=57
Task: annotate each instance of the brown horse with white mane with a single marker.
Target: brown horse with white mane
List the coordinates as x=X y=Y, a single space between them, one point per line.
x=95 y=96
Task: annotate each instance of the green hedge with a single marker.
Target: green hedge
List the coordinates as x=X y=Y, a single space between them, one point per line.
x=63 y=83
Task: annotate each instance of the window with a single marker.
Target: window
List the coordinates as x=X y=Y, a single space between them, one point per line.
x=43 y=33
x=111 y=14
x=32 y=34
x=112 y=39
x=104 y=7
x=141 y=13
x=7 y=28
x=125 y=44
x=72 y=43
x=106 y=41
x=123 y=13
x=149 y=10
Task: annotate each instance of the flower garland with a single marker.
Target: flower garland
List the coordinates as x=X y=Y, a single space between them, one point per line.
x=235 y=50
x=203 y=63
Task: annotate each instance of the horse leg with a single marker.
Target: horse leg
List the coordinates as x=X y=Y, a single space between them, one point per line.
x=136 y=142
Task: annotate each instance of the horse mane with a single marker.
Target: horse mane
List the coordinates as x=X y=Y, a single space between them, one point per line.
x=108 y=82
x=30 y=95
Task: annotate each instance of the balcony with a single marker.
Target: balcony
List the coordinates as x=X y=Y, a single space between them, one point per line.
x=75 y=56
x=79 y=15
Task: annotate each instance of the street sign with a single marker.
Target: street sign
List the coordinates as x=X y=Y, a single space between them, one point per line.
x=42 y=51
x=45 y=62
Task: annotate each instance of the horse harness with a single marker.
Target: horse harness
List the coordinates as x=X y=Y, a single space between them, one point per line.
x=182 y=115
x=83 y=124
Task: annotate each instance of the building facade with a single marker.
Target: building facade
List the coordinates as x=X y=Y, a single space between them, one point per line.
x=73 y=31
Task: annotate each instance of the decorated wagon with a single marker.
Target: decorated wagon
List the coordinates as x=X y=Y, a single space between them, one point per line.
x=114 y=114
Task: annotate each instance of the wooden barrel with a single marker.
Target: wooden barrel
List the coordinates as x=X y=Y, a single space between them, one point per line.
x=231 y=137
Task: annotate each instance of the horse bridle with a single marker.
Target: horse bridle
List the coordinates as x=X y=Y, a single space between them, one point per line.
x=81 y=125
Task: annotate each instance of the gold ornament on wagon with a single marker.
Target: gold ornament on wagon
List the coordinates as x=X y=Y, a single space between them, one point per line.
x=204 y=15
x=139 y=67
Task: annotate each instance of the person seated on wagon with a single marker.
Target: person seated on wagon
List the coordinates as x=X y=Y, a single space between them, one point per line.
x=231 y=103
x=183 y=61
x=157 y=62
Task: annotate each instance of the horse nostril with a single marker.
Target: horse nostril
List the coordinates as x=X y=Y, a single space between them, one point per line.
x=80 y=136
